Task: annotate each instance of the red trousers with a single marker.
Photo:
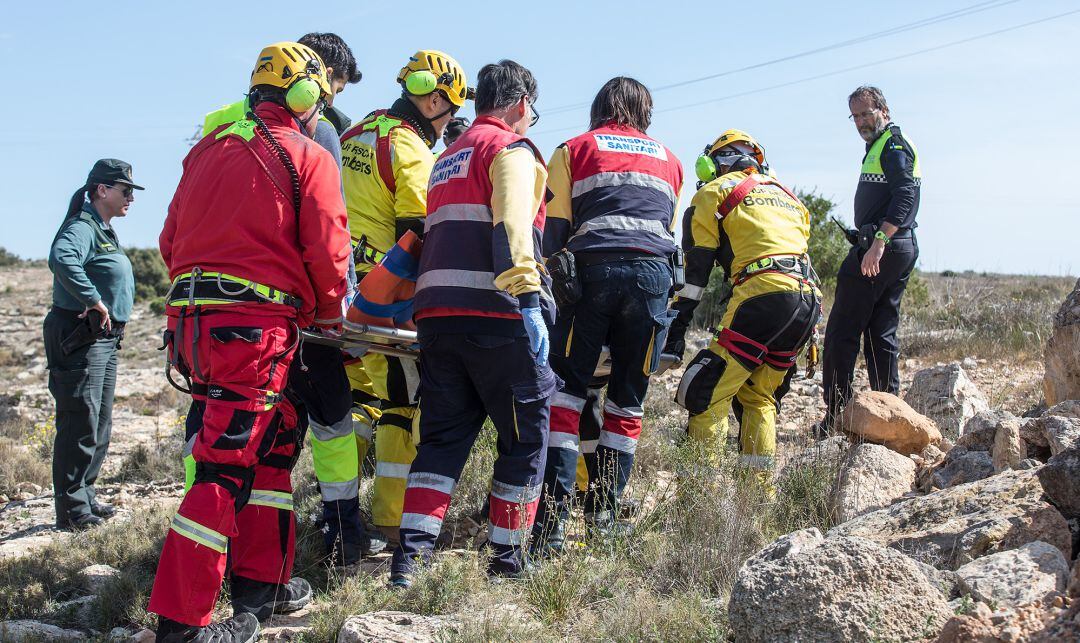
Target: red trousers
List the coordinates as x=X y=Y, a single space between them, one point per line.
x=241 y=500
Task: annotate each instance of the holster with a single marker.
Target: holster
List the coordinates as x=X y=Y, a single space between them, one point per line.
x=565 y=282
x=678 y=270
x=866 y=235
x=86 y=332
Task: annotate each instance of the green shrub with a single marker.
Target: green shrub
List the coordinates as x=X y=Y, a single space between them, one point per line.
x=151 y=275
x=8 y=258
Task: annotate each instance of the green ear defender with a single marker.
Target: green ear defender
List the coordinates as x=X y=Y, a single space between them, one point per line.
x=303 y=95
x=705 y=168
x=421 y=83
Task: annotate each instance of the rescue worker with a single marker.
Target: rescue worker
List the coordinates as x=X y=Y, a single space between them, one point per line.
x=255 y=241
x=319 y=387
x=92 y=295
x=482 y=309
x=614 y=193
x=386 y=163
x=756 y=230
x=873 y=276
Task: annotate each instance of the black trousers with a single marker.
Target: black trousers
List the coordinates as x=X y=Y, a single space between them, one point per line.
x=868 y=310
x=82 y=383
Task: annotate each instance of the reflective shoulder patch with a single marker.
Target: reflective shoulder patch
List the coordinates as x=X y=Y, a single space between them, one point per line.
x=630 y=145
x=244 y=128
x=455 y=166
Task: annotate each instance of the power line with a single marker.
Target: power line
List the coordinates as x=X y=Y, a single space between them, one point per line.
x=918 y=24
x=918 y=52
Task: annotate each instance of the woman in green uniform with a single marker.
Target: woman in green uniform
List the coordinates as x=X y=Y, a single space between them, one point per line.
x=93 y=290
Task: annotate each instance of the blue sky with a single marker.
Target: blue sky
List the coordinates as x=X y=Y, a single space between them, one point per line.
x=994 y=119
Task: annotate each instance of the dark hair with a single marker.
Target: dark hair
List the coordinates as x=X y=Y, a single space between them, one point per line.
x=872 y=94
x=500 y=85
x=77 y=199
x=334 y=53
x=624 y=101
x=266 y=93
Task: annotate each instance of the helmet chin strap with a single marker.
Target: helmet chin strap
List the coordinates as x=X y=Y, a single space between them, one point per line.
x=321 y=105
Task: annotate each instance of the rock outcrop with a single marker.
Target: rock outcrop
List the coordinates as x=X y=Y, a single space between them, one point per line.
x=947 y=396
x=883 y=418
x=1062 y=378
x=962 y=466
x=395 y=627
x=805 y=587
x=954 y=526
x=1017 y=577
x=1060 y=479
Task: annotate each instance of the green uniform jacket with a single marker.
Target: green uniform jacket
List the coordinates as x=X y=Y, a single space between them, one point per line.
x=89 y=266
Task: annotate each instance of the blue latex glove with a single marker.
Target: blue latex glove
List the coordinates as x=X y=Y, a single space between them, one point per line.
x=538 y=333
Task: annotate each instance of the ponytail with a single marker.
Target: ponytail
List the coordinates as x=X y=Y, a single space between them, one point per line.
x=78 y=199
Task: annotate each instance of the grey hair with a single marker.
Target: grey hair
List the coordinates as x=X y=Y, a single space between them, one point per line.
x=500 y=85
x=872 y=94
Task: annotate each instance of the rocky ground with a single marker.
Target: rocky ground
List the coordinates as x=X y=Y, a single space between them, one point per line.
x=940 y=517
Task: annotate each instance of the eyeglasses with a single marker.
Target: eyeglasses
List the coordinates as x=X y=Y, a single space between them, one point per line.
x=535 y=114
x=864 y=115
x=128 y=191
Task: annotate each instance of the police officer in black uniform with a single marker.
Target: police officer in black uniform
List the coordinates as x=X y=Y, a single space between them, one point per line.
x=872 y=278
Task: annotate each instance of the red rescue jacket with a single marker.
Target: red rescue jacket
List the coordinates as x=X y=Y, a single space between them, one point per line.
x=233 y=213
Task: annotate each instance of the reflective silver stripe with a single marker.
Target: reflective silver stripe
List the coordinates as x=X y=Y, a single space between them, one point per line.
x=477 y=279
x=189 y=446
x=567 y=401
x=620 y=443
x=589 y=446
x=504 y=536
x=729 y=184
x=614 y=409
x=613 y=179
x=362 y=428
x=367 y=138
x=324 y=433
x=203 y=535
x=427 y=480
x=421 y=522
x=867 y=177
x=559 y=440
x=339 y=490
x=622 y=222
x=391 y=470
x=514 y=494
x=687 y=378
x=762 y=462
x=410 y=369
x=458 y=212
x=268 y=498
x=690 y=291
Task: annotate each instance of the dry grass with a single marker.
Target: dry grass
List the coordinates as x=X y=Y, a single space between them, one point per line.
x=25 y=455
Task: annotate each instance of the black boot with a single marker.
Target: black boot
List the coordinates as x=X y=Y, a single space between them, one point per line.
x=547 y=540
x=266 y=599
x=242 y=628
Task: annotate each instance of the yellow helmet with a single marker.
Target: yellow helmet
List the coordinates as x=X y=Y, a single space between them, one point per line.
x=295 y=68
x=428 y=70
x=706 y=166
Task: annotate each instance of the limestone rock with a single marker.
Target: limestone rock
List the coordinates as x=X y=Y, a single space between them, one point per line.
x=395 y=627
x=952 y=527
x=872 y=477
x=962 y=466
x=883 y=418
x=95 y=577
x=1008 y=448
x=979 y=431
x=27 y=630
x=1062 y=378
x=1060 y=479
x=1035 y=572
x=1061 y=432
x=947 y=396
x=836 y=589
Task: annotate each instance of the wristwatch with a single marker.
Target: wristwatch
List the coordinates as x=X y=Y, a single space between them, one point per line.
x=882 y=236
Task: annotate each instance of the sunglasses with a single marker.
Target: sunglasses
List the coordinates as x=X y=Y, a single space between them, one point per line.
x=535 y=113
x=128 y=191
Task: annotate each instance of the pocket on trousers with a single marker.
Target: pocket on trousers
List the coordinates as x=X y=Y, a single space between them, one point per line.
x=699 y=380
x=654 y=282
x=529 y=399
x=69 y=388
x=661 y=326
x=237 y=355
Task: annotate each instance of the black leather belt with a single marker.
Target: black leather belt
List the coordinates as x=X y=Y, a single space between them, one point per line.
x=587 y=259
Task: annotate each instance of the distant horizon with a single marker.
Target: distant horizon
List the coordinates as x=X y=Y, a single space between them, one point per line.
x=969 y=82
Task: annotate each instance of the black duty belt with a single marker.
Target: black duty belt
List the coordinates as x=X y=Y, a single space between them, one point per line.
x=587 y=259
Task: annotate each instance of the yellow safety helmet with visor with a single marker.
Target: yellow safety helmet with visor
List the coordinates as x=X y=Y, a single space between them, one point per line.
x=295 y=68
x=429 y=70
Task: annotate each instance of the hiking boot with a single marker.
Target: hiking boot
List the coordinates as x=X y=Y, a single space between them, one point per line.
x=266 y=599
x=547 y=543
x=82 y=523
x=400 y=582
x=602 y=526
x=371 y=540
x=102 y=509
x=242 y=628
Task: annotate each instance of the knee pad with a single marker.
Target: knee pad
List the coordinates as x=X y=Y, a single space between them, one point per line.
x=698 y=381
x=227 y=476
